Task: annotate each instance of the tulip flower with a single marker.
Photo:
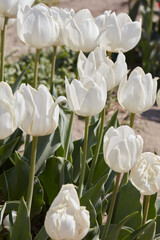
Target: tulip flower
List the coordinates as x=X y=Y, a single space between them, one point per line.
x=12 y=110
x=97 y=61
x=158 y=98
x=66 y=219
x=145 y=175
x=121 y=148
x=87 y=97
x=81 y=32
x=36 y=26
x=41 y=111
x=118 y=33
x=62 y=16
x=9 y=8
x=6 y=221
x=138 y=94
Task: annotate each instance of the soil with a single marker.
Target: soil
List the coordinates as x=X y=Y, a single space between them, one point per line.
x=146 y=124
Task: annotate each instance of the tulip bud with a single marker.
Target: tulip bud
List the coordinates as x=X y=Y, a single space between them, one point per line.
x=97 y=61
x=158 y=98
x=9 y=8
x=87 y=97
x=12 y=109
x=6 y=221
x=118 y=33
x=145 y=175
x=138 y=94
x=121 y=148
x=41 y=111
x=81 y=32
x=62 y=17
x=66 y=219
x=36 y=26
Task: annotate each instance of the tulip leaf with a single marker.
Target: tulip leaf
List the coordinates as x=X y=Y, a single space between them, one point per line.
x=152 y=208
x=158 y=224
x=113 y=234
x=14 y=185
x=78 y=144
x=56 y=173
x=16 y=84
x=128 y=196
x=6 y=150
x=21 y=227
x=112 y=122
x=42 y=235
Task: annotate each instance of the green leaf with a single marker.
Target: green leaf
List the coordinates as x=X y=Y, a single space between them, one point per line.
x=158 y=224
x=113 y=234
x=128 y=196
x=152 y=208
x=56 y=173
x=21 y=227
x=78 y=144
x=6 y=150
x=42 y=235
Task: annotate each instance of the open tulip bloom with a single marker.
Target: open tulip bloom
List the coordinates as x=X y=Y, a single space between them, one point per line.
x=97 y=61
x=12 y=110
x=36 y=26
x=118 y=33
x=138 y=94
x=87 y=97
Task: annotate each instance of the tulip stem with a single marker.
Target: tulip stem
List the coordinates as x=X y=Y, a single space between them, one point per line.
x=36 y=68
x=82 y=175
x=3 y=38
x=53 y=68
x=111 y=208
x=66 y=147
x=31 y=174
x=132 y=117
x=146 y=201
x=98 y=145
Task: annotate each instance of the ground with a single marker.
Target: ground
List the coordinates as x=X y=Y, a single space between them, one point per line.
x=146 y=124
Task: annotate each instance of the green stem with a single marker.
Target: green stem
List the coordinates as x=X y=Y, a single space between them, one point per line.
x=110 y=213
x=36 y=68
x=31 y=174
x=151 y=17
x=3 y=38
x=98 y=145
x=81 y=181
x=66 y=147
x=53 y=67
x=146 y=208
x=132 y=117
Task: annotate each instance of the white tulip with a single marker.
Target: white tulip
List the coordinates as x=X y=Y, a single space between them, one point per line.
x=6 y=221
x=97 y=61
x=145 y=175
x=87 y=96
x=9 y=8
x=36 y=26
x=118 y=33
x=81 y=32
x=138 y=94
x=12 y=110
x=62 y=16
x=158 y=98
x=66 y=219
x=121 y=148
x=42 y=113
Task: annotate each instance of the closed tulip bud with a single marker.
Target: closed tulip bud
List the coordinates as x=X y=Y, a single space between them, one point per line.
x=158 y=98
x=9 y=8
x=36 y=26
x=118 y=33
x=81 y=32
x=138 y=94
x=41 y=111
x=121 y=148
x=66 y=219
x=62 y=16
x=6 y=221
x=145 y=175
x=12 y=110
x=87 y=97
x=97 y=61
